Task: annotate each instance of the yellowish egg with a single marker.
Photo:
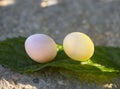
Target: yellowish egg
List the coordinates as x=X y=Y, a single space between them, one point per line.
x=78 y=46
x=41 y=48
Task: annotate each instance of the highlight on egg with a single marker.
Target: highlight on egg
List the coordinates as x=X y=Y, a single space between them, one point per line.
x=78 y=46
x=41 y=48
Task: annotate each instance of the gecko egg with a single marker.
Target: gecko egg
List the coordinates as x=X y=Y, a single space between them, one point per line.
x=78 y=46
x=41 y=48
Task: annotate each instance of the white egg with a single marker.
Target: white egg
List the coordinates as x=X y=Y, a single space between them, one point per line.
x=41 y=48
x=78 y=46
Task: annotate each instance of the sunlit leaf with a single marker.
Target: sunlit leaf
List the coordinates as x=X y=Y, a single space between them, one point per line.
x=13 y=55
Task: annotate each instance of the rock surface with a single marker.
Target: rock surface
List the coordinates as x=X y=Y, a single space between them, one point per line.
x=100 y=19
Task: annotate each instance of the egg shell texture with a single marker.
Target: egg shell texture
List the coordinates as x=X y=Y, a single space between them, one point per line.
x=41 y=48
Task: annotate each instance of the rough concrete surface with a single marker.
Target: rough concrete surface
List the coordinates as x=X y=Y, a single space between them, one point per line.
x=100 y=19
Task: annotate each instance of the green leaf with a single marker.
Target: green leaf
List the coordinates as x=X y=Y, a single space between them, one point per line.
x=13 y=55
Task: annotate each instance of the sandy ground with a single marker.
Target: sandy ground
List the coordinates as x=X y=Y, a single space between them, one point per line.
x=100 y=19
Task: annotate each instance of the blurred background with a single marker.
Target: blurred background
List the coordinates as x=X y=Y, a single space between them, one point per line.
x=100 y=19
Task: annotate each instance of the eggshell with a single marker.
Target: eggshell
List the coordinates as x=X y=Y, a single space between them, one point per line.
x=41 y=48
x=78 y=46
